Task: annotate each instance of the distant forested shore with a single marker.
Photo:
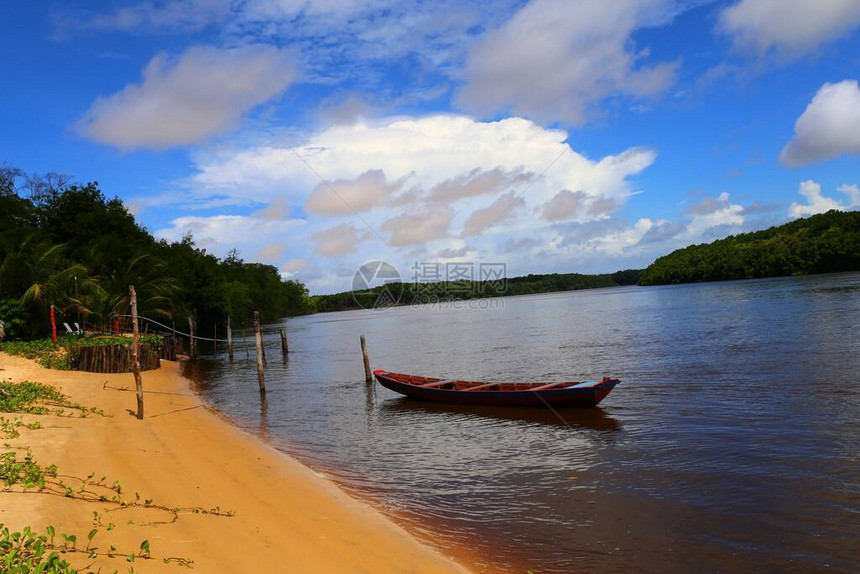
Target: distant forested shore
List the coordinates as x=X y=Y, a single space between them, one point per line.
x=69 y=246
x=824 y=243
x=419 y=293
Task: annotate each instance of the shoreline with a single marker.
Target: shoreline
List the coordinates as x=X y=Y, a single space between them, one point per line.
x=186 y=454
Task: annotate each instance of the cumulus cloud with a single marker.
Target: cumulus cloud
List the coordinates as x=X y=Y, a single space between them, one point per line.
x=278 y=208
x=853 y=193
x=427 y=223
x=221 y=233
x=186 y=100
x=453 y=253
x=300 y=269
x=453 y=170
x=339 y=240
x=483 y=219
x=456 y=158
x=479 y=182
x=830 y=125
x=556 y=59
x=816 y=202
x=711 y=213
x=272 y=252
x=662 y=230
x=345 y=196
x=565 y=204
x=789 y=28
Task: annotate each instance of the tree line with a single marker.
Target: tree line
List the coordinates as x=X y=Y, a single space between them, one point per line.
x=68 y=245
x=824 y=243
x=416 y=293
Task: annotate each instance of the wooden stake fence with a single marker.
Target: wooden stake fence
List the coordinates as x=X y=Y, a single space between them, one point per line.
x=368 y=375
x=192 y=348
x=261 y=378
x=135 y=364
x=284 y=347
x=229 y=340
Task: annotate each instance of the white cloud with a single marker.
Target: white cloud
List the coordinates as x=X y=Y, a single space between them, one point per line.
x=853 y=193
x=790 y=28
x=446 y=170
x=278 y=208
x=478 y=182
x=481 y=220
x=565 y=204
x=345 y=196
x=186 y=100
x=154 y=16
x=818 y=203
x=455 y=157
x=427 y=223
x=221 y=233
x=342 y=239
x=273 y=252
x=830 y=125
x=712 y=213
x=557 y=59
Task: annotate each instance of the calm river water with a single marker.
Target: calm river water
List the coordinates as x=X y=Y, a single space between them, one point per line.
x=732 y=444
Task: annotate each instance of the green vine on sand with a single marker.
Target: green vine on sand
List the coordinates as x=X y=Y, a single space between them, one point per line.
x=39 y=399
x=28 y=552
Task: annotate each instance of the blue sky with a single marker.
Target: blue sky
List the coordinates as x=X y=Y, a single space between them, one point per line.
x=551 y=135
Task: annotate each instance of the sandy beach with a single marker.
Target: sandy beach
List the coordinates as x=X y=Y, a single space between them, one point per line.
x=286 y=517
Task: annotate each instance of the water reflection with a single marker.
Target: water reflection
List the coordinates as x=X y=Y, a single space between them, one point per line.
x=594 y=419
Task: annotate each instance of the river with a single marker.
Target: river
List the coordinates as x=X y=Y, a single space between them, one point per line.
x=732 y=443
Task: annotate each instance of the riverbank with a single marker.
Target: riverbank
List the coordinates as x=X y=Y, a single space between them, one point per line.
x=284 y=517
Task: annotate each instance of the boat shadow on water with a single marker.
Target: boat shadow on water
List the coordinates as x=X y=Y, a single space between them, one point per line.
x=594 y=418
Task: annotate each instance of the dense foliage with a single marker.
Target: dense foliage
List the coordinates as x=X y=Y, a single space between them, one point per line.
x=418 y=293
x=822 y=243
x=69 y=246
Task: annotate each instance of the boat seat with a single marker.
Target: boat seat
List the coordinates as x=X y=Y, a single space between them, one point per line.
x=550 y=386
x=436 y=384
x=481 y=387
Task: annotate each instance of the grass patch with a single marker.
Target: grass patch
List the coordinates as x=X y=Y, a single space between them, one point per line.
x=38 y=399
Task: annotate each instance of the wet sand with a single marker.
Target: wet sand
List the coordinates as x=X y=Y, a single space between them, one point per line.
x=287 y=517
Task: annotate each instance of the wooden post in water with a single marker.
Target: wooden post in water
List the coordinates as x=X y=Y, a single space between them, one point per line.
x=192 y=350
x=284 y=347
x=229 y=340
x=135 y=360
x=368 y=376
x=261 y=378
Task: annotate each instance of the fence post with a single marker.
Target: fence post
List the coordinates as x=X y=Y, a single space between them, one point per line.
x=215 y=339
x=261 y=378
x=229 y=340
x=53 y=327
x=368 y=376
x=135 y=361
x=192 y=350
x=284 y=347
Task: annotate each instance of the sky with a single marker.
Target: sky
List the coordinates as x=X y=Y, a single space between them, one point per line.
x=548 y=135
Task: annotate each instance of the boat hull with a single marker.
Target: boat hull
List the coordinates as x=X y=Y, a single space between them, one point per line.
x=567 y=397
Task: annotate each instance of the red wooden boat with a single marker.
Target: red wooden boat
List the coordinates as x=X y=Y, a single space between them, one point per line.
x=564 y=394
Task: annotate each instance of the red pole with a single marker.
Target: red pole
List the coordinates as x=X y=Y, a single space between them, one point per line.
x=53 y=327
x=115 y=326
